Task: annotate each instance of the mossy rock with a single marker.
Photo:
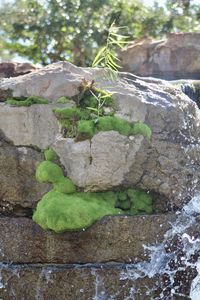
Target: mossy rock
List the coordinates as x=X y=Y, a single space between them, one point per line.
x=63 y=100
x=48 y=171
x=50 y=154
x=65 y=186
x=27 y=102
x=60 y=212
x=86 y=128
x=142 y=129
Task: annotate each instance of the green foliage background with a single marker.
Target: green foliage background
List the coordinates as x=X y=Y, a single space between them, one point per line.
x=46 y=31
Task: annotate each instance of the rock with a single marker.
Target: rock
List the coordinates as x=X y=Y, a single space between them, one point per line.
x=19 y=191
x=109 y=154
x=14 y=69
x=168 y=164
x=54 y=81
x=74 y=282
x=29 y=126
x=113 y=239
x=175 y=57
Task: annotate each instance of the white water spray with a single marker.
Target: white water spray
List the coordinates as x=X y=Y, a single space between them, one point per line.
x=161 y=258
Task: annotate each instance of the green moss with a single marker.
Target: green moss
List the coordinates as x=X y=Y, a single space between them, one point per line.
x=143 y=129
x=105 y=124
x=67 y=113
x=141 y=202
x=122 y=196
x=122 y=126
x=27 y=102
x=86 y=128
x=50 y=154
x=60 y=212
x=64 y=209
x=48 y=171
x=63 y=100
x=65 y=186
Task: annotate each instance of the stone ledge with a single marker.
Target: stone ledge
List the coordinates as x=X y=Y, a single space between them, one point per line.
x=113 y=239
x=71 y=283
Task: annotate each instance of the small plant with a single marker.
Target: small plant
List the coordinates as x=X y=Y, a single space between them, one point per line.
x=106 y=57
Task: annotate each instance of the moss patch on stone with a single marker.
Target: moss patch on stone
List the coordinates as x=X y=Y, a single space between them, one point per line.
x=60 y=212
x=93 y=114
x=65 y=209
x=50 y=154
x=49 y=172
x=26 y=102
x=63 y=100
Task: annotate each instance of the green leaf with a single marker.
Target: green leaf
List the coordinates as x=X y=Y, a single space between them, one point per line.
x=99 y=57
x=92 y=108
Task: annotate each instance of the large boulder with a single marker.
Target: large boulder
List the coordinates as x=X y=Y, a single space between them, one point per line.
x=175 y=57
x=167 y=165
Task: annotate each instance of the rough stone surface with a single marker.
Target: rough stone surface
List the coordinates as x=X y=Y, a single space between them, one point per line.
x=18 y=187
x=112 y=154
x=113 y=239
x=50 y=82
x=73 y=282
x=168 y=164
x=175 y=57
x=34 y=126
x=13 y=69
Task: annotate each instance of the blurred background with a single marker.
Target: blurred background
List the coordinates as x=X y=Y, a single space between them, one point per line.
x=47 y=31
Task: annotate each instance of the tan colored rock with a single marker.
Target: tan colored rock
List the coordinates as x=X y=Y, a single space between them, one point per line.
x=176 y=57
x=112 y=239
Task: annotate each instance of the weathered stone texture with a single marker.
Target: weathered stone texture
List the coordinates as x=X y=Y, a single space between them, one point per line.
x=168 y=164
x=72 y=283
x=113 y=239
x=175 y=57
x=18 y=187
x=29 y=126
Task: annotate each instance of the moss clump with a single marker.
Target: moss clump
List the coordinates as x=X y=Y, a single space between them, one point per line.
x=50 y=154
x=27 y=102
x=60 y=212
x=48 y=171
x=143 y=129
x=86 y=129
x=65 y=186
x=64 y=209
x=69 y=113
x=63 y=100
x=141 y=202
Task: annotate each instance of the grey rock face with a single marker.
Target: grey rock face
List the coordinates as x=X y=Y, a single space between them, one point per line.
x=18 y=188
x=175 y=57
x=34 y=126
x=168 y=164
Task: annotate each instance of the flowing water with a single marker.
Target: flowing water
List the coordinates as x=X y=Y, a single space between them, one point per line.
x=176 y=255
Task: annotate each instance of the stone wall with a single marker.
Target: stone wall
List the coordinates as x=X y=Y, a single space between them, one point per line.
x=91 y=264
